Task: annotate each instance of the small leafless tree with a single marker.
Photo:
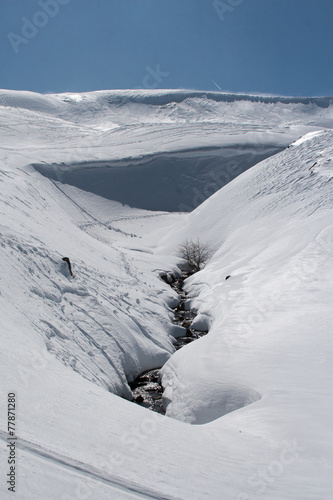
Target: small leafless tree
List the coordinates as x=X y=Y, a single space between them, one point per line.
x=195 y=253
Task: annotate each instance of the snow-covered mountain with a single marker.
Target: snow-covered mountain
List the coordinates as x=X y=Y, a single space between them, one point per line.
x=78 y=173
x=176 y=147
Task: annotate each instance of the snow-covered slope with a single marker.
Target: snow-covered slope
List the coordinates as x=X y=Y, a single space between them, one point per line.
x=270 y=322
x=271 y=230
x=175 y=147
x=69 y=345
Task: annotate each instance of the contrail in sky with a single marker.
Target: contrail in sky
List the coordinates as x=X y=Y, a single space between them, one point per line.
x=217 y=86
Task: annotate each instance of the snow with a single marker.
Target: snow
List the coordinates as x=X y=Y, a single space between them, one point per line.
x=190 y=143
x=257 y=389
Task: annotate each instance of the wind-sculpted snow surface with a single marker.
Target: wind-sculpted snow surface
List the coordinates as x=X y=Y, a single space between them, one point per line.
x=97 y=321
x=270 y=322
x=259 y=384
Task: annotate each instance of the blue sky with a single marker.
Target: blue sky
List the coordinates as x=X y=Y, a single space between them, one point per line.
x=282 y=47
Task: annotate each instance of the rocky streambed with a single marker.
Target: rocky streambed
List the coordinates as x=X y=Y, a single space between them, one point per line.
x=147 y=390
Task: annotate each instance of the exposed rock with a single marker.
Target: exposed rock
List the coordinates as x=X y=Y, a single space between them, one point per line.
x=147 y=390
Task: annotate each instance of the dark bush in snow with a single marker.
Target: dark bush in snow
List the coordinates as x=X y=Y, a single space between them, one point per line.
x=195 y=253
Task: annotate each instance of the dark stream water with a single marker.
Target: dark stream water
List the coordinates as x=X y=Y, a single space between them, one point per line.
x=147 y=390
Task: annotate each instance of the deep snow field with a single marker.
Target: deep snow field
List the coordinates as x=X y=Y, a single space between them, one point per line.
x=116 y=180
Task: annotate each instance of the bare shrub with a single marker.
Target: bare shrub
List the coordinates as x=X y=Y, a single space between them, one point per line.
x=195 y=253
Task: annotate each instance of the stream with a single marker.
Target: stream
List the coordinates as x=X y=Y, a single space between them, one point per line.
x=147 y=390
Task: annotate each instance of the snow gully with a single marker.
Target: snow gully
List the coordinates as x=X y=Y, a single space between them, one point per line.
x=147 y=389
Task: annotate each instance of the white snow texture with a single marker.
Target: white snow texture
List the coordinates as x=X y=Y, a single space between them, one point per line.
x=116 y=181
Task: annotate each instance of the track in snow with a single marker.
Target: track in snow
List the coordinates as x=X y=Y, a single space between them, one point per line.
x=87 y=470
